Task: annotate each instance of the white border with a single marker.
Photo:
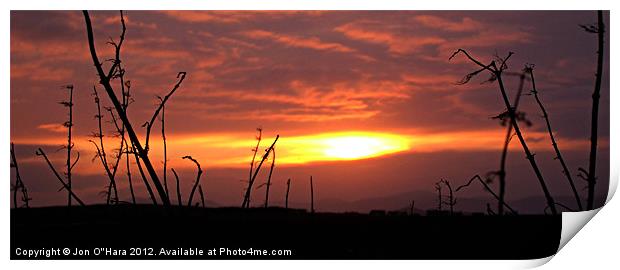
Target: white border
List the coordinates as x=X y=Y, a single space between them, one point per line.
x=597 y=245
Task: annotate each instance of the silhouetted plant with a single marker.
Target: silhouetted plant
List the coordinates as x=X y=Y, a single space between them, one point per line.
x=120 y=129
x=101 y=154
x=143 y=175
x=411 y=211
x=69 y=124
x=202 y=196
x=19 y=184
x=104 y=80
x=181 y=76
x=191 y=194
x=255 y=151
x=477 y=177
x=273 y=162
x=40 y=152
x=489 y=210
x=530 y=69
x=496 y=75
x=590 y=174
x=176 y=176
x=311 y=195
x=248 y=191
x=451 y=202
x=288 y=188
x=163 y=137
x=127 y=151
x=439 y=195
x=509 y=133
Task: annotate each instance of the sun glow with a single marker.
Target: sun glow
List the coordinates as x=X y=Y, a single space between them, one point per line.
x=342 y=146
x=356 y=147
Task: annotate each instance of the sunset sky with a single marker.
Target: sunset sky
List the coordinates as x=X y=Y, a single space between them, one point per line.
x=365 y=102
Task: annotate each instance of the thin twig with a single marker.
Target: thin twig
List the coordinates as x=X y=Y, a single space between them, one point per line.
x=105 y=81
x=273 y=162
x=477 y=177
x=101 y=151
x=311 y=195
x=163 y=136
x=65 y=186
x=558 y=154
x=288 y=188
x=202 y=196
x=507 y=139
x=191 y=194
x=596 y=95
x=178 y=187
x=248 y=191
x=497 y=73
x=19 y=184
x=162 y=103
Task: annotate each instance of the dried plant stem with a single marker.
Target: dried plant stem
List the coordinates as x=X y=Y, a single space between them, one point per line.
x=558 y=154
x=69 y=125
x=65 y=186
x=311 y=195
x=162 y=103
x=163 y=136
x=497 y=73
x=477 y=177
x=178 y=187
x=19 y=184
x=105 y=81
x=439 y=196
x=528 y=153
x=596 y=95
x=202 y=196
x=191 y=194
x=248 y=191
x=255 y=150
x=146 y=183
x=451 y=200
x=502 y=170
x=133 y=196
x=412 y=208
x=102 y=154
x=273 y=162
x=288 y=188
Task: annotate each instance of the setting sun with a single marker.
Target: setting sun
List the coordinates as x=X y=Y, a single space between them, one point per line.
x=355 y=147
x=342 y=146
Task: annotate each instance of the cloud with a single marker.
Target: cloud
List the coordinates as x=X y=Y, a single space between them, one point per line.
x=466 y=24
x=58 y=128
x=402 y=39
x=235 y=17
x=396 y=43
x=41 y=72
x=226 y=17
x=302 y=101
x=299 y=42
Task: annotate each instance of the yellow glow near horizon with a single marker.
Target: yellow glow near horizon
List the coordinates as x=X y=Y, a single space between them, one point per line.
x=232 y=150
x=356 y=147
x=341 y=146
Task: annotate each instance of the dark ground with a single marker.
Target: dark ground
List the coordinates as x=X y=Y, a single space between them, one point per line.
x=308 y=236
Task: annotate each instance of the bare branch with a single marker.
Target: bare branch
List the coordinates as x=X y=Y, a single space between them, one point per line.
x=246 y=198
x=178 y=187
x=105 y=81
x=552 y=137
x=66 y=186
x=149 y=124
x=477 y=177
x=191 y=194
